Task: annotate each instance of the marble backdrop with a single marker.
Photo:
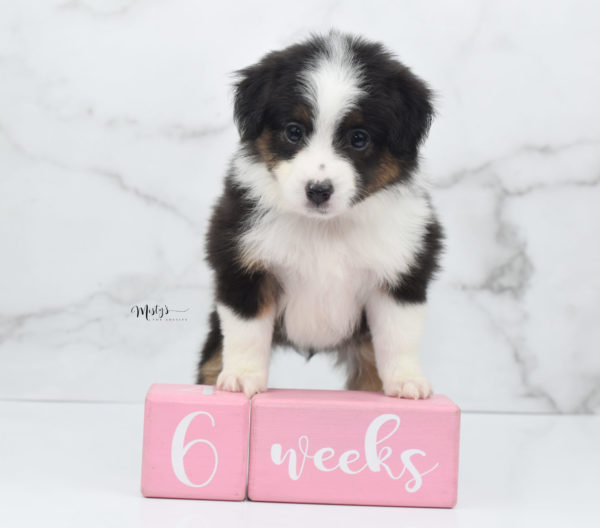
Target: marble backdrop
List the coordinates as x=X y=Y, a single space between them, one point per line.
x=115 y=131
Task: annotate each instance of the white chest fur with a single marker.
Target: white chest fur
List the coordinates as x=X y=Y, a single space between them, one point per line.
x=327 y=268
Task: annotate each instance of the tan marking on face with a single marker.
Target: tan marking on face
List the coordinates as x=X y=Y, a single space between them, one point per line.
x=388 y=171
x=210 y=370
x=354 y=119
x=302 y=114
x=263 y=145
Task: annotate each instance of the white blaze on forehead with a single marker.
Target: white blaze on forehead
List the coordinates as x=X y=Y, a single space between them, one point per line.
x=332 y=85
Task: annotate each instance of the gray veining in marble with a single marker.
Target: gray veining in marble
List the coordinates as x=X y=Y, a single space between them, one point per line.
x=115 y=130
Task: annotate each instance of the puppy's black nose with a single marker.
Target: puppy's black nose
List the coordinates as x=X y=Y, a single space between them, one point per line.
x=319 y=192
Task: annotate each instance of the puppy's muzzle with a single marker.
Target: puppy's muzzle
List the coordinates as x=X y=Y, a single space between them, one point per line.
x=319 y=192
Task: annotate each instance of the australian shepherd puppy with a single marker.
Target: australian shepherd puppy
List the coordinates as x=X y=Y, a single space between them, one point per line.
x=324 y=238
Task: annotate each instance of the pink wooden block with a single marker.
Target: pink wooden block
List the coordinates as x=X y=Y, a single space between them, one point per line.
x=195 y=443
x=351 y=447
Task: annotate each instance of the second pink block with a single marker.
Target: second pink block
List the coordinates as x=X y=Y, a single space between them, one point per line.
x=347 y=447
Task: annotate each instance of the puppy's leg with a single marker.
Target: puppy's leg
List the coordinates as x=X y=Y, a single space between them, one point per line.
x=396 y=328
x=362 y=371
x=246 y=349
x=211 y=359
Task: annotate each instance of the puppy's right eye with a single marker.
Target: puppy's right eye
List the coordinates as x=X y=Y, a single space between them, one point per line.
x=294 y=132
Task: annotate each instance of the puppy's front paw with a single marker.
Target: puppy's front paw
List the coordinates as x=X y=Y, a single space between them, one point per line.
x=415 y=387
x=248 y=382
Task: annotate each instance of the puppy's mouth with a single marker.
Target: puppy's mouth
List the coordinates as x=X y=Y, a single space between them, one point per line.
x=323 y=211
x=320 y=209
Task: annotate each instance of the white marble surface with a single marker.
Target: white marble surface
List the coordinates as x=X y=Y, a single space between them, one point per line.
x=115 y=130
x=78 y=464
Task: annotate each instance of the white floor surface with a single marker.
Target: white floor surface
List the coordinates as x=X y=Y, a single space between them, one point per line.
x=78 y=464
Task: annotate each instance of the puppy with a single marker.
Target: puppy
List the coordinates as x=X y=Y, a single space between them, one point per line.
x=324 y=238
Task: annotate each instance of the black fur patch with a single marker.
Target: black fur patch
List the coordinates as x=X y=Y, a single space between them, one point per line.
x=412 y=286
x=238 y=285
x=268 y=91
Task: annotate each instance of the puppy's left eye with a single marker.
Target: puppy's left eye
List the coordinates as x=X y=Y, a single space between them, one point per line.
x=294 y=132
x=359 y=138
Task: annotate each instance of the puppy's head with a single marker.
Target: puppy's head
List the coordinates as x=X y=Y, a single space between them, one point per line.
x=333 y=120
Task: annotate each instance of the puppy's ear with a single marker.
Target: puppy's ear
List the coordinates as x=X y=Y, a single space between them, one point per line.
x=413 y=113
x=251 y=97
